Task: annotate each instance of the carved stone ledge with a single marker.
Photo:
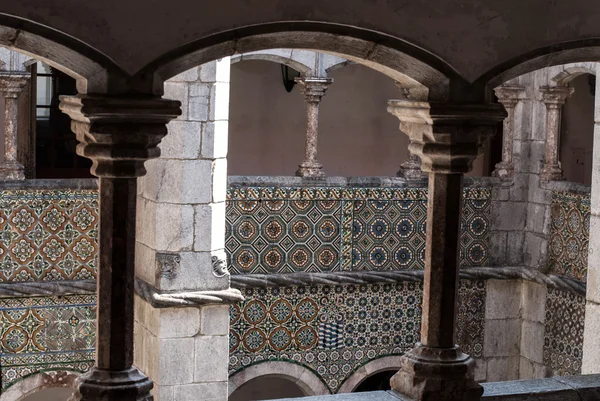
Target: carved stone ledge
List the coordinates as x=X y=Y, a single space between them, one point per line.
x=119 y=133
x=185 y=298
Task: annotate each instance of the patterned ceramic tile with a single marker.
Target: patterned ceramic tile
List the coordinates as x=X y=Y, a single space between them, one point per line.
x=40 y=333
x=48 y=235
x=335 y=329
x=563 y=334
x=283 y=230
x=569 y=234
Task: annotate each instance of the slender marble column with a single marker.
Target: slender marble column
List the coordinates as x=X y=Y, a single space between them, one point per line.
x=11 y=86
x=554 y=97
x=509 y=97
x=313 y=89
x=118 y=134
x=447 y=138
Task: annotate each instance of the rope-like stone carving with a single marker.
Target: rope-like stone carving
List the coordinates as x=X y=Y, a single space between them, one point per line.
x=31 y=289
x=185 y=298
x=376 y=277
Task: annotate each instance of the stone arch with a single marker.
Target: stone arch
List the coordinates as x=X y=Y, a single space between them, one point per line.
x=414 y=68
x=281 y=56
x=368 y=369
x=339 y=65
x=305 y=378
x=39 y=381
x=572 y=71
x=88 y=66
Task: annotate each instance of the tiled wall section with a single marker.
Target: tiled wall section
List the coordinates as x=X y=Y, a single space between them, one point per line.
x=48 y=235
x=44 y=333
x=563 y=333
x=286 y=230
x=569 y=234
x=333 y=330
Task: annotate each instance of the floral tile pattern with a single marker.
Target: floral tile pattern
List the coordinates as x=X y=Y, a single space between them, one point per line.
x=48 y=235
x=563 y=332
x=569 y=234
x=335 y=329
x=40 y=333
x=286 y=230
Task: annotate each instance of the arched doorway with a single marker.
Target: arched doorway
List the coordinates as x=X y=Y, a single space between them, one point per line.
x=376 y=382
x=266 y=388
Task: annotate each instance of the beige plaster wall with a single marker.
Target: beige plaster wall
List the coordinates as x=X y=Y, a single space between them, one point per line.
x=577 y=133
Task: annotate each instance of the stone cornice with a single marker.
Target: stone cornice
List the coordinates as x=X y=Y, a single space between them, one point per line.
x=555 y=96
x=160 y=299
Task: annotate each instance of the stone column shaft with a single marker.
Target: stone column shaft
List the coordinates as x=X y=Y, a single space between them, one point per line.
x=509 y=97
x=313 y=89
x=447 y=138
x=118 y=133
x=11 y=87
x=554 y=98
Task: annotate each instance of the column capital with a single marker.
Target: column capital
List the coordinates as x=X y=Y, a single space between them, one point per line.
x=313 y=88
x=555 y=96
x=119 y=133
x=509 y=96
x=447 y=137
x=12 y=84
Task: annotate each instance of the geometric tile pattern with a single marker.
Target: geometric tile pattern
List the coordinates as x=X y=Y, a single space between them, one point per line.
x=40 y=333
x=569 y=234
x=285 y=230
x=333 y=330
x=563 y=332
x=48 y=235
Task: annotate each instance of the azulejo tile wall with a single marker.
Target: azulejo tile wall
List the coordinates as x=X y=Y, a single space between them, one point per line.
x=569 y=234
x=333 y=330
x=297 y=229
x=43 y=333
x=48 y=235
x=563 y=334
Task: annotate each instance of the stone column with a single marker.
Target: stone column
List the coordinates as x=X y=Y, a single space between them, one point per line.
x=11 y=86
x=553 y=97
x=447 y=138
x=118 y=134
x=411 y=169
x=313 y=89
x=509 y=97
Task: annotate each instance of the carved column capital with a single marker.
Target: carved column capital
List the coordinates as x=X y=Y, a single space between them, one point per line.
x=509 y=96
x=119 y=133
x=11 y=85
x=555 y=96
x=313 y=89
x=446 y=137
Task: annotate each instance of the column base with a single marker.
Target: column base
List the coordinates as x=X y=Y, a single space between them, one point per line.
x=504 y=171
x=12 y=171
x=437 y=374
x=122 y=385
x=310 y=170
x=412 y=173
x=551 y=173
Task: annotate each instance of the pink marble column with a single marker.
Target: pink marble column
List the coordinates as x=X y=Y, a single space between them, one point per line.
x=554 y=98
x=11 y=86
x=313 y=89
x=509 y=97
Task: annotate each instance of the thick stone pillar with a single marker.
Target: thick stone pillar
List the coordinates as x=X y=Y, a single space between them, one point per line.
x=554 y=98
x=118 y=134
x=509 y=97
x=313 y=89
x=11 y=86
x=447 y=138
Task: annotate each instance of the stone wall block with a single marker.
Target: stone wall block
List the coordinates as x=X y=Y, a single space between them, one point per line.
x=509 y=216
x=480 y=370
x=195 y=273
x=178 y=181
x=500 y=193
x=164 y=393
x=537 y=194
x=525 y=369
x=182 y=142
x=503 y=369
x=211 y=358
x=190 y=75
x=145 y=263
x=178 y=91
x=593 y=273
x=208 y=72
x=199 y=102
x=502 y=338
x=219 y=102
x=591 y=339
x=202 y=392
x=214 y=320
x=214 y=139
x=219 y=177
x=520 y=187
x=177 y=322
x=209 y=227
x=503 y=299
x=536 y=156
x=173 y=228
x=497 y=248
x=176 y=361
x=534 y=301
x=536 y=251
x=532 y=341
x=514 y=248
x=536 y=217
